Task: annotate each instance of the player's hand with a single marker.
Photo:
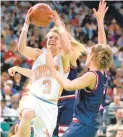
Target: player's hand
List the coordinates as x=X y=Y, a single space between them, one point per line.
x=102 y=9
x=28 y=16
x=56 y=19
x=12 y=71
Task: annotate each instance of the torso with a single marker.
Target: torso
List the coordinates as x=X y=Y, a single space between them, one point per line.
x=43 y=84
x=88 y=102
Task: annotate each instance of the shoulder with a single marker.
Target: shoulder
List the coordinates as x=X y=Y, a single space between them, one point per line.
x=39 y=51
x=90 y=74
x=90 y=78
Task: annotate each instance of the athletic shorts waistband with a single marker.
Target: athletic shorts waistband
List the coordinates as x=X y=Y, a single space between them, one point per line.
x=44 y=100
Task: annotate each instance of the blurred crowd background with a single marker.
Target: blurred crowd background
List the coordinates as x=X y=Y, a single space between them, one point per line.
x=80 y=22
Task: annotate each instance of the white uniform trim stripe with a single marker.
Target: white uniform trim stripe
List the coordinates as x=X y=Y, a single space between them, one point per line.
x=69 y=96
x=63 y=127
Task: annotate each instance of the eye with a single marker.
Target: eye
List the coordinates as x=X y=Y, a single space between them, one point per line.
x=50 y=37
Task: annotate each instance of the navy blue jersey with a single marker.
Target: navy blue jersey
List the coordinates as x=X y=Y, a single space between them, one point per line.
x=88 y=102
x=72 y=75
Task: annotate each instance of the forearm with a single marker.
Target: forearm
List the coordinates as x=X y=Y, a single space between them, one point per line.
x=87 y=80
x=63 y=81
x=71 y=38
x=101 y=32
x=23 y=71
x=65 y=42
x=23 y=39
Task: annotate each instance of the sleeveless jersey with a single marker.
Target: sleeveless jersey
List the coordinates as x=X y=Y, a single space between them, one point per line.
x=88 y=102
x=43 y=84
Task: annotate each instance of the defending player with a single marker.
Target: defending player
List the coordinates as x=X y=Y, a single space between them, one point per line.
x=92 y=84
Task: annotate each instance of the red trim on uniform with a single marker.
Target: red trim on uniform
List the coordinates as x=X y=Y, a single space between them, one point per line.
x=63 y=125
x=61 y=131
x=67 y=97
x=97 y=80
x=75 y=120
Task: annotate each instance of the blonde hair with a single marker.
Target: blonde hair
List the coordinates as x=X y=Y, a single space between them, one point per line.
x=77 y=47
x=102 y=55
x=54 y=29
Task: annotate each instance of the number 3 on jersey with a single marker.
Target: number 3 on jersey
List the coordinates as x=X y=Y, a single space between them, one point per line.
x=47 y=84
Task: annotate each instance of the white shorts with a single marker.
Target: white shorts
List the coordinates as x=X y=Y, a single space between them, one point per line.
x=45 y=115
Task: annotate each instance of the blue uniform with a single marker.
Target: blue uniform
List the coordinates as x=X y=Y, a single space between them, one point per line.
x=87 y=118
x=66 y=107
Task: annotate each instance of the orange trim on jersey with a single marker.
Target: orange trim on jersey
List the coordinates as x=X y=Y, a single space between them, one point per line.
x=54 y=100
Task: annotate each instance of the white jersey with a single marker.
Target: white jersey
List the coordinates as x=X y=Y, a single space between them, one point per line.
x=43 y=84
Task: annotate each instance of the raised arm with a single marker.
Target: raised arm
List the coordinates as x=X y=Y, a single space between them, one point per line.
x=65 y=42
x=23 y=71
x=29 y=52
x=99 y=15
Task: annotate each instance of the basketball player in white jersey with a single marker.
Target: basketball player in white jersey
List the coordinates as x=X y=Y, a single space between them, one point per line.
x=40 y=107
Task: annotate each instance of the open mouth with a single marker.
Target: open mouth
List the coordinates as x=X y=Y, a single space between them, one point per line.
x=52 y=43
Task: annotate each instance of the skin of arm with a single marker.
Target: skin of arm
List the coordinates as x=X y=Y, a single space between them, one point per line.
x=87 y=80
x=22 y=71
x=29 y=52
x=65 y=42
x=99 y=15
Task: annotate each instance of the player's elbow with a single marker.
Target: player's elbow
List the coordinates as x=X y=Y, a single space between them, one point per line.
x=67 y=87
x=20 y=48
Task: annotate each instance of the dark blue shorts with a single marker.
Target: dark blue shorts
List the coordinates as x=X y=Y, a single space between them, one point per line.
x=77 y=129
x=66 y=109
x=65 y=113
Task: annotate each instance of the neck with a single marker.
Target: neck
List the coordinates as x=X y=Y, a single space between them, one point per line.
x=95 y=68
x=55 y=53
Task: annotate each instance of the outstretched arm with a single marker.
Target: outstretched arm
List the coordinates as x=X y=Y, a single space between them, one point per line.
x=29 y=52
x=22 y=71
x=87 y=80
x=99 y=15
x=65 y=42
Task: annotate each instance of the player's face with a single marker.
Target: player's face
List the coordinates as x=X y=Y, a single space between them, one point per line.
x=119 y=134
x=53 y=39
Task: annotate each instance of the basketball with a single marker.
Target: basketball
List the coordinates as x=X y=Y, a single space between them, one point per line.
x=41 y=15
